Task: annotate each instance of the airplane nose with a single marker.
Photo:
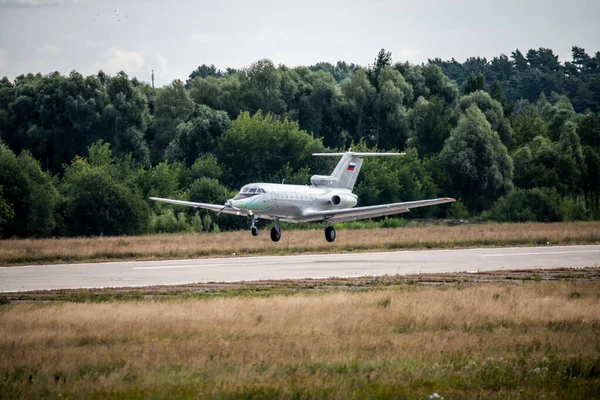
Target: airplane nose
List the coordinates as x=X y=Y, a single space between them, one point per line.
x=228 y=203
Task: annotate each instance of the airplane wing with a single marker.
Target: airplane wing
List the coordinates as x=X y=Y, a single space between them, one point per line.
x=212 y=207
x=354 y=214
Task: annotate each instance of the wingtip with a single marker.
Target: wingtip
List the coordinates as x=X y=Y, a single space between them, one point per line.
x=449 y=199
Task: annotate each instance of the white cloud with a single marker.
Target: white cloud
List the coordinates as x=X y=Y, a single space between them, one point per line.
x=48 y=49
x=162 y=63
x=268 y=35
x=115 y=60
x=412 y=55
x=201 y=37
x=35 y=3
x=3 y=60
x=159 y=64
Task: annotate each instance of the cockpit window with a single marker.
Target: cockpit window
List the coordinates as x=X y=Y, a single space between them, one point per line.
x=249 y=192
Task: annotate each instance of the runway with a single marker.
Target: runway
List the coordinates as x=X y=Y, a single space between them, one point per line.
x=174 y=272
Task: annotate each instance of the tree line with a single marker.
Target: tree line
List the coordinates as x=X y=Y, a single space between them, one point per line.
x=514 y=139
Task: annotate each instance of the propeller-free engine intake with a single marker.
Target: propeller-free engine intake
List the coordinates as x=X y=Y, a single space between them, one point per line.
x=344 y=200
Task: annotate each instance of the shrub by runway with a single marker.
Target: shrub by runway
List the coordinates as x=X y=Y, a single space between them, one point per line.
x=25 y=251
x=403 y=340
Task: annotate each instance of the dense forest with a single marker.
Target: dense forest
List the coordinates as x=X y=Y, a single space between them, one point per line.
x=513 y=138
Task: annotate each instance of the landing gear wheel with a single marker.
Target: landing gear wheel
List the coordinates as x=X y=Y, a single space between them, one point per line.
x=275 y=234
x=330 y=234
x=254 y=230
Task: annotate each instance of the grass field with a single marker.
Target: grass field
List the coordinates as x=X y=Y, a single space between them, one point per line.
x=527 y=340
x=14 y=252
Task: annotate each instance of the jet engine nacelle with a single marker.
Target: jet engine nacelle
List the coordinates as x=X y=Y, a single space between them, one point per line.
x=343 y=200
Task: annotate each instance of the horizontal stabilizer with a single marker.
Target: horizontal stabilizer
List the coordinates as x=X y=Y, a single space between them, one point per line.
x=345 y=173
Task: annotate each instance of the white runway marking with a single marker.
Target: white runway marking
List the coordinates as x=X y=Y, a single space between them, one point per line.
x=541 y=253
x=203 y=265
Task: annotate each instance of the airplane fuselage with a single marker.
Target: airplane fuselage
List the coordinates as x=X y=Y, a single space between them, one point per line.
x=290 y=202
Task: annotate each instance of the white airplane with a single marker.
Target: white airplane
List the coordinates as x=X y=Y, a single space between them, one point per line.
x=329 y=199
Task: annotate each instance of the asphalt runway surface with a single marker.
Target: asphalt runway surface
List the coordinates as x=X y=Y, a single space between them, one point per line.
x=175 y=272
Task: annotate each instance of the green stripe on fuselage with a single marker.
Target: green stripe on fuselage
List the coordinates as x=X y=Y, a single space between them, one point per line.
x=252 y=203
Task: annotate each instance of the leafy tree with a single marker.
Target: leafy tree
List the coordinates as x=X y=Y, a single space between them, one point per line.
x=197 y=136
x=588 y=130
x=430 y=126
x=477 y=161
x=340 y=71
x=591 y=180
x=357 y=108
x=218 y=93
x=203 y=71
x=474 y=83
x=394 y=179
x=493 y=112
x=206 y=166
x=28 y=197
x=161 y=180
x=501 y=68
x=556 y=112
x=260 y=88
x=6 y=212
x=544 y=163
x=527 y=123
x=257 y=147
x=173 y=106
x=439 y=84
x=318 y=101
x=126 y=119
x=96 y=204
x=208 y=190
x=383 y=60
x=394 y=94
x=55 y=117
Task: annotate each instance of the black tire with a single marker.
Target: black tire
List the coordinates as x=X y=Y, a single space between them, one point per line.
x=275 y=234
x=330 y=234
x=254 y=231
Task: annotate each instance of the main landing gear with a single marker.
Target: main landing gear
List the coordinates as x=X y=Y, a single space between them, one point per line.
x=329 y=232
x=276 y=232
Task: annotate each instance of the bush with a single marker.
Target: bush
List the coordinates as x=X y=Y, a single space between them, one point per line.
x=539 y=205
x=96 y=204
x=168 y=222
x=458 y=210
x=572 y=210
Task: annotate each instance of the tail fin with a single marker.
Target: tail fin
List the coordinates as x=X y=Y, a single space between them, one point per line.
x=346 y=171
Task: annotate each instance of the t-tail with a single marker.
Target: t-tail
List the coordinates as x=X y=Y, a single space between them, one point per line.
x=346 y=171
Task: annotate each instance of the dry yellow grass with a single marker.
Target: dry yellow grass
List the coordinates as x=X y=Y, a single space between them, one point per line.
x=297 y=241
x=502 y=340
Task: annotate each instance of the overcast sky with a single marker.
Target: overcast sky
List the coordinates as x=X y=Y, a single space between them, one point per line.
x=174 y=37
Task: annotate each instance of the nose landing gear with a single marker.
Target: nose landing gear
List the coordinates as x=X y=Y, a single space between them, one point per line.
x=253 y=227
